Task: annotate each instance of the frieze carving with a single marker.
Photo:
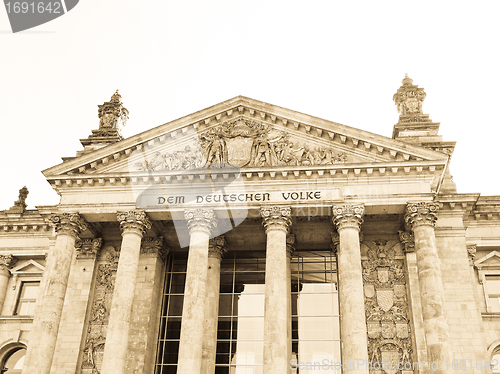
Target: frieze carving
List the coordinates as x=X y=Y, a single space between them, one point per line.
x=421 y=214
x=217 y=247
x=154 y=246
x=133 y=220
x=276 y=218
x=68 y=223
x=407 y=238
x=386 y=305
x=7 y=261
x=345 y=216
x=200 y=219
x=240 y=143
x=88 y=248
x=95 y=340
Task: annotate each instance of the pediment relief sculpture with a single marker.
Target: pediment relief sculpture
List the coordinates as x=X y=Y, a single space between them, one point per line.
x=241 y=143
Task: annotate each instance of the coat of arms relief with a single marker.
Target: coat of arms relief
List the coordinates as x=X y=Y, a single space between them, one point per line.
x=386 y=305
x=241 y=143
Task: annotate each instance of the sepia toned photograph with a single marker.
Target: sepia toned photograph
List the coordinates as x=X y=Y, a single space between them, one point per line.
x=249 y=187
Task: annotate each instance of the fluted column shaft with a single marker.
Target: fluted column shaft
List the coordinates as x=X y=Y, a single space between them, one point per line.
x=133 y=225
x=421 y=218
x=201 y=222
x=277 y=222
x=348 y=219
x=43 y=334
x=6 y=261
x=216 y=249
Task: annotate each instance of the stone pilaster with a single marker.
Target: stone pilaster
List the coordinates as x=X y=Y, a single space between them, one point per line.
x=277 y=308
x=43 y=335
x=201 y=223
x=6 y=262
x=348 y=219
x=72 y=324
x=421 y=218
x=217 y=247
x=133 y=225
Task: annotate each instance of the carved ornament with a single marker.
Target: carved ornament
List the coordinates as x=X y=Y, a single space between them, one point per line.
x=133 y=221
x=154 y=246
x=276 y=218
x=335 y=241
x=68 y=224
x=406 y=237
x=291 y=243
x=409 y=99
x=386 y=305
x=109 y=113
x=217 y=247
x=200 y=219
x=421 y=214
x=20 y=205
x=240 y=143
x=471 y=251
x=348 y=216
x=88 y=248
x=7 y=261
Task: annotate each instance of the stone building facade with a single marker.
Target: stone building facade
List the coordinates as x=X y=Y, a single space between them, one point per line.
x=249 y=238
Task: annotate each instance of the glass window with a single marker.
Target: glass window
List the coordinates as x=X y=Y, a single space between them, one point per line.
x=493 y=292
x=13 y=364
x=27 y=298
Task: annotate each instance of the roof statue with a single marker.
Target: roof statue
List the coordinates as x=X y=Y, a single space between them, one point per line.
x=409 y=100
x=112 y=117
x=20 y=205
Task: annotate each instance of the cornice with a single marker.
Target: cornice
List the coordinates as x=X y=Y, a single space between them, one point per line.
x=402 y=170
x=241 y=106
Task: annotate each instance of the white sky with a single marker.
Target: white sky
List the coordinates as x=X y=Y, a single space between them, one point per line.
x=341 y=61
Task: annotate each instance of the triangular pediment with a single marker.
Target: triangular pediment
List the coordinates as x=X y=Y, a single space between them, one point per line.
x=248 y=134
x=28 y=267
x=491 y=260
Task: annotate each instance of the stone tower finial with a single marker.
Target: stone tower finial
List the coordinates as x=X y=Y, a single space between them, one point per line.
x=409 y=99
x=112 y=116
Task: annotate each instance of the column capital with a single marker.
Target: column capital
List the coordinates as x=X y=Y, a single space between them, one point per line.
x=7 y=261
x=154 y=247
x=68 y=224
x=291 y=242
x=88 y=248
x=200 y=219
x=407 y=238
x=421 y=214
x=217 y=247
x=276 y=217
x=134 y=221
x=348 y=216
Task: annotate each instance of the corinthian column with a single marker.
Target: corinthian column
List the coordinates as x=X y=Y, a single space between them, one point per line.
x=421 y=218
x=43 y=334
x=277 y=314
x=6 y=261
x=216 y=249
x=201 y=223
x=133 y=225
x=348 y=220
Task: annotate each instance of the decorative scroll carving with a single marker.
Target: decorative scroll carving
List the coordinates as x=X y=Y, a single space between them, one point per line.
x=88 y=248
x=217 y=247
x=290 y=244
x=99 y=315
x=408 y=240
x=345 y=216
x=133 y=220
x=7 y=261
x=241 y=142
x=200 y=219
x=421 y=214
x=471 y=251
x=68 y=224
x=386 y=305
x=154 y=246
x=276 y=218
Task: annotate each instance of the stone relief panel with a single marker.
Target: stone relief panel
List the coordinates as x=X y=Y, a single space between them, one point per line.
x=99 y=314
x=241 y=142
x=386 y=304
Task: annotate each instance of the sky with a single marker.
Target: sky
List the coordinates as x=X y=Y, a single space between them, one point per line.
x=337 y=60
